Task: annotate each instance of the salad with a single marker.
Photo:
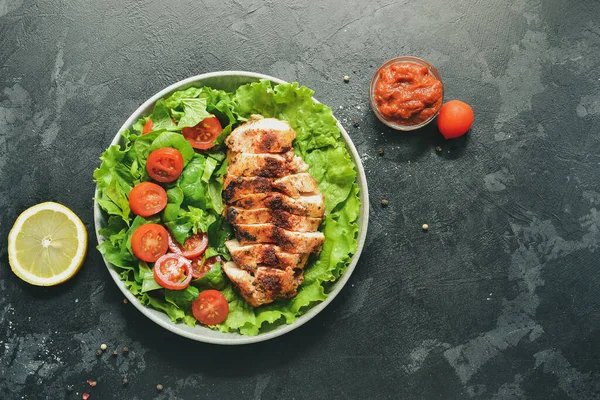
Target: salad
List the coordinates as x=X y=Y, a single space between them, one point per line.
x=161 y=192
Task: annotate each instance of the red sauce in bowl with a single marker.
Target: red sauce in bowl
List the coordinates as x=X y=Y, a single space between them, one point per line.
x=407 y=93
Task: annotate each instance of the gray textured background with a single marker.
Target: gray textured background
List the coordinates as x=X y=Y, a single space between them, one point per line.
x=499 y=300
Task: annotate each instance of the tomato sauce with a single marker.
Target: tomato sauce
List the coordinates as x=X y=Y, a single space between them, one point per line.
x=407 y=93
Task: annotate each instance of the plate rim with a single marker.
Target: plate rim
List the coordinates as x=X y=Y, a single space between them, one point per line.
x=232 y=338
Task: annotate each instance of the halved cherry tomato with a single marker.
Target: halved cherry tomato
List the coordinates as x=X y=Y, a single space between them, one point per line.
x=204 y=133
x=211 y=307
x=164 y=165
x=149 y=242
x=455 y=119
x=147 y=199
x=173 y=271
x=193 y=246
x=147 y=127
x=199 y=268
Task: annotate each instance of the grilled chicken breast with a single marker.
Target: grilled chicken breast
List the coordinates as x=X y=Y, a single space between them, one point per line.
x=236 y=187
x=275 y=207
x=266 y=165
x=261 y=135
x=310 y=206
x=280 y=218
x=292 y=242
x=264 y=285
x=248 y=257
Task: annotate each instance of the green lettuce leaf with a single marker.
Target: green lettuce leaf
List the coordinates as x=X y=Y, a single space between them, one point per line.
x=194 y=111
x=174 y=100
x=214 y=279
x=189 y=222
x=190 y=182
x=138 y=126
x=176 y=141
x=115 y=180
x=187 y=108
x=113 y=248
x=161 y=117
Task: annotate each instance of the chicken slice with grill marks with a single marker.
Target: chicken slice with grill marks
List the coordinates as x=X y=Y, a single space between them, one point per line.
x=292 y=242
x=250 y=256
x=280 y=218
x=265 y=165
x=294 y=186
x=310 y=206
x=261 y=135
x=264 y=285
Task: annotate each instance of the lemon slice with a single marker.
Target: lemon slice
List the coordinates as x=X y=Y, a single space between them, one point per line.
x=47 y=244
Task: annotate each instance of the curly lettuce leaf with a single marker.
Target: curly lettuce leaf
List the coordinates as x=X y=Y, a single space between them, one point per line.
x=161 y=117
x=113 y=248
x=189 y=222
x=175 y=99
x=115 y=180
x=138 y=126
x=194 y=111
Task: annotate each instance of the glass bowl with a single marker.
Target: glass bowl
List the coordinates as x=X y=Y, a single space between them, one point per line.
x=403 y=59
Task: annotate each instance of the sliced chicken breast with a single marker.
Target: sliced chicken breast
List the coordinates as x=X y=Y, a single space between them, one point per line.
x=280 y=218
x=250 y=256
x=261 y=135
x=295 y=185
x=235 y=187
x=265 y=285
x=310 y=206
x=265 y=165
x=275 y=207
x=293 y=242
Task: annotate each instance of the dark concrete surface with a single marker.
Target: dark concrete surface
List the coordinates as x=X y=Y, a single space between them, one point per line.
x=499 y=300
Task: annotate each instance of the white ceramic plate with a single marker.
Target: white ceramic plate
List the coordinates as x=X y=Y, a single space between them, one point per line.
x=230 y=81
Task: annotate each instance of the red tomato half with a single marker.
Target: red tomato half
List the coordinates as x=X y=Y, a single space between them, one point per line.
x=147 y=127
x=193 y=246
x=164 y=165
x=147 y=199
x=211 y=307
x=455 y=119
x=199 y=268
x=204 y=133
x=149 y=242
x=172 y=271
